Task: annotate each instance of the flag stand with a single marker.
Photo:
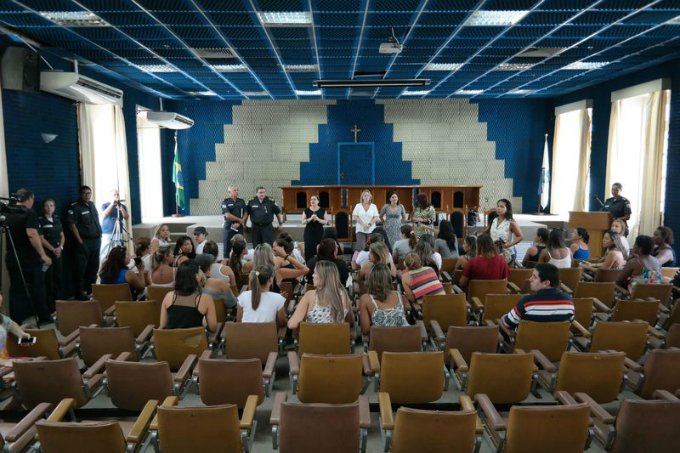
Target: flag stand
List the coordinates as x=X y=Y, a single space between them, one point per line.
x=544 y=182
x=176 y=181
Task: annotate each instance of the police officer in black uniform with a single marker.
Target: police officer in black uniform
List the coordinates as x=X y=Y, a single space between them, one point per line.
x=26 y=261
x=83 y=222
x=616 y=205
x=261 y=210
x=234 y=212
x=52 y=237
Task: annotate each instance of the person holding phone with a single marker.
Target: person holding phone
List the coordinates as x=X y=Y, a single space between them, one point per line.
x=7 y=325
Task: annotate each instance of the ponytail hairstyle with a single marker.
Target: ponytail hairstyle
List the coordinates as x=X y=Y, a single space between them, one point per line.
x=412 y=261
x=412 y=240
x=471 y=241
x=330 y=289
x=264 y=256
x=585 y=237
x=160 y=256
x=259 y=279
x=285 y=242
x=142 y=246
x=238 y=246
x=379 y=282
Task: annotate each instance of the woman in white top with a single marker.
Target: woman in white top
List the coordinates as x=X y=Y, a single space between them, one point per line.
x=365 y=214
x=619 y=227
x=160 y=240
x=259 y=304
x=162 y=272
x=218 y=269
x=505 y=231
x=556 y=251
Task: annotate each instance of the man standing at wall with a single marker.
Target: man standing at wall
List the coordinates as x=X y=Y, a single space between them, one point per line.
x=82 y=219
x=26 y=261
x=261 y=210
x=234 y=212
x=112 y=235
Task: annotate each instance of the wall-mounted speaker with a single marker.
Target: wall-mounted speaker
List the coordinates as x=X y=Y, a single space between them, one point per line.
x=20 y=69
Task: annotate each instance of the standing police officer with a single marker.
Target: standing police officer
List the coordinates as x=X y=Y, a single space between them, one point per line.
x=234 y=212
x=83 y=222
x=52 y=237
x=618 y=206
x=261 y=210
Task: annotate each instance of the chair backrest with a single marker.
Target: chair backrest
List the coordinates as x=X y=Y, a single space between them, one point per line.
x=324 y=338
x=138 y=315
x=174 y=345
x=132 y=384
x=583 y=310
x=46 y=345
x=412 y=377
x=72 y=314
x=599 y=374
x=157 y=293
x=520 y=277
x=627 y=337
x=497 y=305
x=673 y=336
x=604 y=291
x=97 y=341
x=394 y=339
x=56 y=437
x=553 y=428
x=480 y=288
x=214 y=428
x=662 y=372
x=446 y=309
x=471 y=339
x=330 y=379
x=647 y=426
x=551 y=338
x=49 y=381
x=674 y=318
x=107 y=295
x=449 y=264
x=250 y=340
x=433 y=431
x=669 y=272
x=335 y=427
x=516 y=371
x=607 y=275
x=570 y=276
x=659 y=291
x=230 y=381
x=220 y=310
x=630 y=310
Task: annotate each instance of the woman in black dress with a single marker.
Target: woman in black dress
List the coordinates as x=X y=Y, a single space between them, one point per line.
x=314 y=219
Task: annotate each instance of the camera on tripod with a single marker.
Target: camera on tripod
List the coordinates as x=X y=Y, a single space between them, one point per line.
x=7 y=205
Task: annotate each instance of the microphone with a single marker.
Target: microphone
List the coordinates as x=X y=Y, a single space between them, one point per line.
x=596 y=198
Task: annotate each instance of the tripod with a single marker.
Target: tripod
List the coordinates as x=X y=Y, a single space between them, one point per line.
x=119 y=233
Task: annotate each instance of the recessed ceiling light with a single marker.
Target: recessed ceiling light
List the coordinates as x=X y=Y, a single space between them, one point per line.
x=585 y=65
x=513 y=66
x=301 y=67
x=157 y=68
x=416 y=93
x=443 y=66
x=75 y=18
x=214 y=53
x=254 y=93
x=202 y=93
x=285 y=18
x=521 y=91
x=485 y=18
x=308 y=92
x=469 y=92
x=674 y=21
x=229 y=67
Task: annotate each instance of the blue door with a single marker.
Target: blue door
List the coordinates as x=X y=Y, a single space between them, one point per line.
x=356 y=164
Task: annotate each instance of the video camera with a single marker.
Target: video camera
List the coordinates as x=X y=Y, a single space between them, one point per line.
x=8 y=204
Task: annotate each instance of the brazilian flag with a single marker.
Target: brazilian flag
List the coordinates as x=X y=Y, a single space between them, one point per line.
x=178 y=179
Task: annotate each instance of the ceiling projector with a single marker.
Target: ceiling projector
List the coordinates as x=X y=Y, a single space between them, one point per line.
x=392 y=45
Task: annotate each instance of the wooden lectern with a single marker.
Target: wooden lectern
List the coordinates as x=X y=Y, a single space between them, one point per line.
x=596 y=223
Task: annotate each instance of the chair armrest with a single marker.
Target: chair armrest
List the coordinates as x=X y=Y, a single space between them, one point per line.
x=565 y=398
x=249 y=412
x=631 y=364
x=477 y=303
x=466 y=404
x=282 y=333
x=373 y=361
x=97 y=366
x=542 y=361
x=111 y=311
x=123 y=356
x=600 y=306
x=566 y=289
x=364 y=412
x=214 y=337
x=655 y=333
x=386 y=416
x=186 y=368
x=493 y=418
x=457 y=289
x=141 y=426
x=93 y=383
x=145 y=335
x=508 y=332
x=437 y=331
x=279 y=398
x=458 y=361
x=68 y=349
x=168 y=401
x=423 y=330
x=366 y=365
x=293 y=362
x=268 y=371
x=664 y=395
x=446 y=276
x=64 y=406
x=70 y=338
x=598 y=411
x=514 y=288
x=622 y=292
x=27 y=422
x=582 y=330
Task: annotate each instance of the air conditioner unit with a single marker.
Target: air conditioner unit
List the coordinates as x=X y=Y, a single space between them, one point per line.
x=170 y=120
x=75 y=86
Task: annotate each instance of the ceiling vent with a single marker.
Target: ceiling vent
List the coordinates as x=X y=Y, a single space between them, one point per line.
x=214 y=53
x=74 y=86
x=170 y=120
x=541 y=52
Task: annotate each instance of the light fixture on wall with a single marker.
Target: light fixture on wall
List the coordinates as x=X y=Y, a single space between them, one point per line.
x=48 y=138
x=371 y=83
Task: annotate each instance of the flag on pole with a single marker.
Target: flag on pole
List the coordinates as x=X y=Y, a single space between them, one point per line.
x=544 y=184
x=177 y=178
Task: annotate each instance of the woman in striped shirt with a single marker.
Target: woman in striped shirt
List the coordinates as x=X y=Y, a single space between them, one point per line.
x=418 y=280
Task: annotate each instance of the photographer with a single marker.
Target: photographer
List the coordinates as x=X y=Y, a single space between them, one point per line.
x=26 y=261
x=112 y=211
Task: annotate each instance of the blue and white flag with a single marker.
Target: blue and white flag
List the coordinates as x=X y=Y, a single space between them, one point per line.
x=544 y=184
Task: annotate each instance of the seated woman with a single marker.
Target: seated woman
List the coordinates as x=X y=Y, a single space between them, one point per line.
x=327 y=303
x=332 y=233
x=404 y=245
x=187 y=306
x=293 y=247
x=663 y=239
x=142 y=251
x=326 y=251
x=378 y=254
x=381 y=306
x=641 y=267
x=115 y=270
x=218 y=269
x=620 y=227
x=287 y=268
x=8 y=326
x=531 y=257
x=487 y=265
x=259 y=303
x=579 y=244
x=556 y=252
x=470 y=249
x=361 y=257
x=160 y=240
x=615 y=253
x=184 y=250
x=215 y=287
x=446 y=243
x=425 y=250
x=418 y=280
x=162 y=272
x=238 y=261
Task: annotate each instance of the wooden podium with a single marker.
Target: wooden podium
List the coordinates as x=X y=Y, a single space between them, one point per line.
x=596 y=223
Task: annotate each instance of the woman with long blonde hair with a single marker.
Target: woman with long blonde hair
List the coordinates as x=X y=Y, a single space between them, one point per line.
x=378 y=253
x=366 y=215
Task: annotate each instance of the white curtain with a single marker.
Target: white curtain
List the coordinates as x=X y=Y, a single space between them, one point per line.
x=86 y=140
x=581 y=196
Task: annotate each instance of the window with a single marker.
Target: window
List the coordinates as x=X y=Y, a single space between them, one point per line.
x=150 y=176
